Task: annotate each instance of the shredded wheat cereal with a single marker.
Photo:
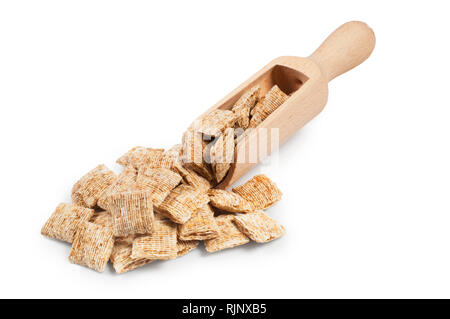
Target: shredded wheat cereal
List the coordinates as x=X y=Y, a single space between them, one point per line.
x=229 y=201
x=132 y=212
x=229 y=235
x=140 y=156
x=158 y=182
x=200 y=226
x=260 y=191
x=183 y=247
x=222 y=154
x=259 y=227
x=121 y=256
x=243 y=106
x=215 y=122
x=161 y=244
x=180 y=203
x=272 y=100
x=92 y=246
x=65 y=220
x=125 y=181
x=90 y=187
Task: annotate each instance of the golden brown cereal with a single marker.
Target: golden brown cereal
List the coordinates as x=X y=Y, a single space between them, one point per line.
x=259 y=227
x=90 y=187
x=92 y=246
x=161 y=244
x=243 y=106
x=260 y=191
x=168 y=159
x=183 y=247
x=65 y=220
x=229 y=202
x=158 y=181
x=215 y=122
x=192 y=178
x=139 y=156
x=200 y=226
x=102 y=218
x=222 y=154
x=180 y=203
x=132 y=212
x=272 y=100
x=126 y=181
x=121 y=256
x=229 y=235
x=193 y=150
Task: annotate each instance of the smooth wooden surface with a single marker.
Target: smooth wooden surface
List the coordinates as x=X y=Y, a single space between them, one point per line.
x=347 y=47
x=306 y=80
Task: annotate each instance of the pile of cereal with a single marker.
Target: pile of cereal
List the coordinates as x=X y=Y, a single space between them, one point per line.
x=164 y=202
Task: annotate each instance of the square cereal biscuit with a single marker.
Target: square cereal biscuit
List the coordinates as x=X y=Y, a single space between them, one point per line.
x=215 y=122
x=158 y=181
x=65 y=220
x=184 y=247
x=92 y=246
x=102 y=218
x=193 y=152
x=222 y=154
x=260 y=191
x=161 y=244
x=132 y=212
x=168 y=159
x=271 y=101
x=201 y=226
x=140 y=156
x=243 y=106
x=121 y=256
x=229 y=235
x=125 y=181
x=181 y=203
x=192 y=178
x=259 y=227
x=229 y=201
x=90 y=187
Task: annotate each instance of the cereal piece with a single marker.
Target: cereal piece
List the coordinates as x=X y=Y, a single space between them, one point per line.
x=65 y=220
x=92 y=246
x=126 y=181
x=200 y=226
x=180 y=203
x=259 y=227
x=192 y=178
x=161 y=244
x=272 y=100
x=229 y=235
x=260 y=191
x=132 y=212
x=90 y=187
x=168 y=159
x=102 y=218
x=215 y=122
x=139 y=156
x=222 y=154
x=229 y=202
x=258 y=106
x=121 y=256
x=193 y=151
x=243 y=106
x=158 y=181
x=183 y=247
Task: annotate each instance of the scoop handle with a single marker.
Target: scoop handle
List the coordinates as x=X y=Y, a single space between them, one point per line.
x=347 y=47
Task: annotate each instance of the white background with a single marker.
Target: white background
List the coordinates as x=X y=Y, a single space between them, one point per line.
x=366 y=184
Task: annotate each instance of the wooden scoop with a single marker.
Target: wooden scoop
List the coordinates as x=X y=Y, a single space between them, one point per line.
x=306 y=80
